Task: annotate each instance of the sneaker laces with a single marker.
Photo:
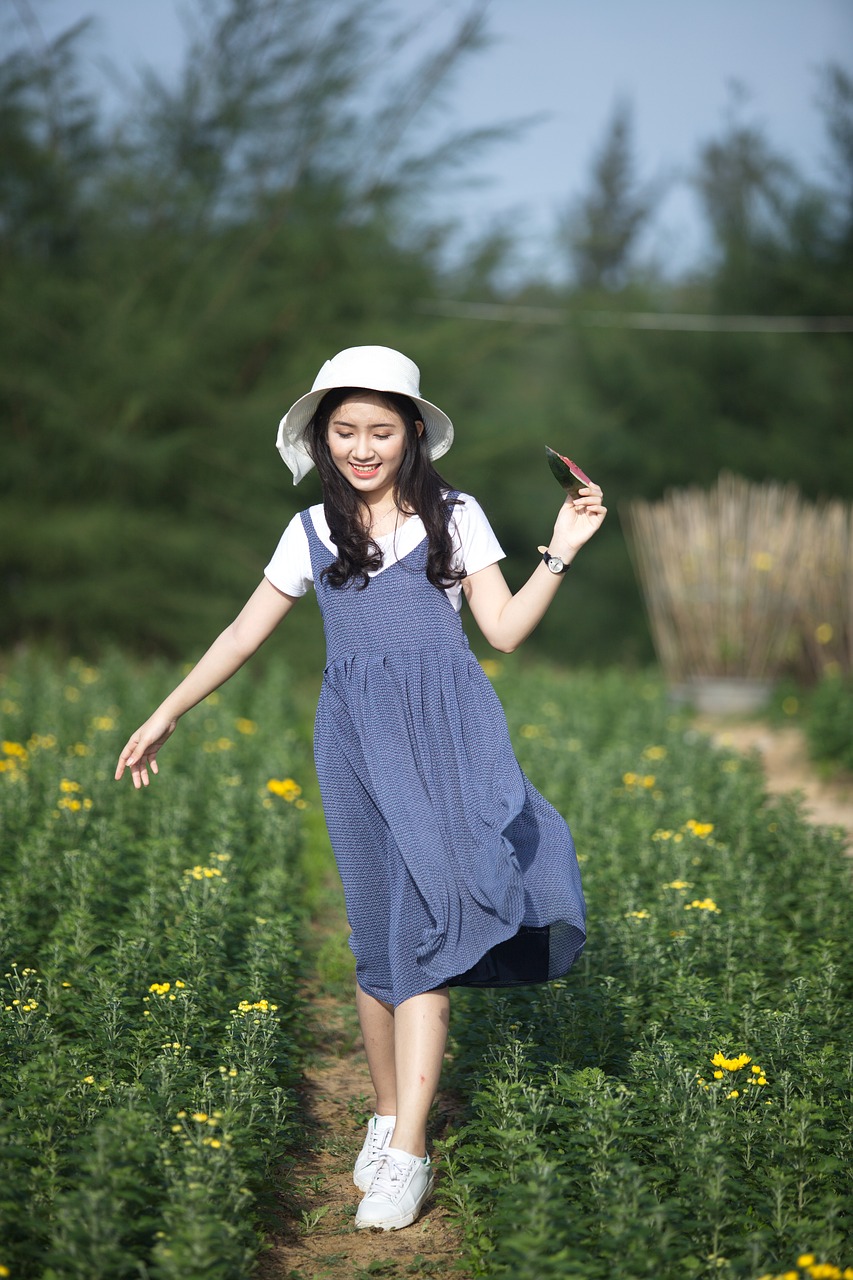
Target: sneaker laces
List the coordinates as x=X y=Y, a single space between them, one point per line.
x=378 y=1139
x=390 y=1177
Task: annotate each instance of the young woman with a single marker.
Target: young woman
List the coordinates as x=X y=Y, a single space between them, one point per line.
x=455 y=870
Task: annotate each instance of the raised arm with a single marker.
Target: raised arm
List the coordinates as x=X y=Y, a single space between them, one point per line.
x=506 y=619
x=258 y=618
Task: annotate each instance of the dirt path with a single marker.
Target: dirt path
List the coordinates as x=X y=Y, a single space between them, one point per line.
x=788 y=768
x=317 y=1239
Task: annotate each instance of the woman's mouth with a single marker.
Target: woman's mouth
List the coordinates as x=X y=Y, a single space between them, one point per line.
x=364 y=472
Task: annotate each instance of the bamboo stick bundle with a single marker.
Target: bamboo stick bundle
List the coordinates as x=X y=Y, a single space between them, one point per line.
x=824 y=591
x=716 y=571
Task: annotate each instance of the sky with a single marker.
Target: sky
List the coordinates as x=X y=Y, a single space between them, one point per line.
x=569 y=62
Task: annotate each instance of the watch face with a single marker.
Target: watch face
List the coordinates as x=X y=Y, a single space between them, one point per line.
x=555 y=564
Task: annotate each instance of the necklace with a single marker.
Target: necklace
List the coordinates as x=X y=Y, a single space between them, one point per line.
x=377 y=522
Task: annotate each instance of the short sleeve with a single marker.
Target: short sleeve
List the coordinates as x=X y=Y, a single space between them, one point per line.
x=290 y=567
x=477 y=547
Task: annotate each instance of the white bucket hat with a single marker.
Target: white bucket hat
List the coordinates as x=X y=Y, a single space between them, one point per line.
x=374 y=369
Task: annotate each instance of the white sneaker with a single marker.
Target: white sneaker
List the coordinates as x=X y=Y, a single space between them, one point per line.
x=397 y=1193
x=379 y=1130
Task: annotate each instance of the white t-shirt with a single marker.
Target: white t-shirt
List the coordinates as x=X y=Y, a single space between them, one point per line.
x=475 y=547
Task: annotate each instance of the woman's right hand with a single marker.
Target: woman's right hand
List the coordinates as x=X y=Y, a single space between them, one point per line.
x=142 y=747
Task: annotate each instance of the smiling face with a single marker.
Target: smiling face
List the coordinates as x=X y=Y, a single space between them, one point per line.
x=367 y=442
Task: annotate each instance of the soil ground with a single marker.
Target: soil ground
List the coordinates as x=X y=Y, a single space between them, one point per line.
x=784 y=755
x=317 y=1239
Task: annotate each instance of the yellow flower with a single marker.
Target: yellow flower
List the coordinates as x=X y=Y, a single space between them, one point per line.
x=654 y=753
x=491 y=668
x=700 y=829
x=731 y=1064
x=200 y=1117
x=718 y=1075
x=702 y=904
x=286 y=788
x=102 y=724
x=734 y=1094
x=68 y=786
x=629 y=779
x=199 y=872
x=805 y=1259
x=678 y=884
x=15 y=749
x=637 y=915
x=649 y=781
x=4 y=1271
x=244 y=726
x=260 y=1006
x=824 y=633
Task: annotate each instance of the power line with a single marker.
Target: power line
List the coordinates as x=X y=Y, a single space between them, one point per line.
x=675 y=321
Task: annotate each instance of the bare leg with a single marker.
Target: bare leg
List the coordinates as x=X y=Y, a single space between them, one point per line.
x=377 y=1029
x=420 y=1036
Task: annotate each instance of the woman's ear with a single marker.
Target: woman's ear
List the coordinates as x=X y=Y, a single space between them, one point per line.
x=419 y=426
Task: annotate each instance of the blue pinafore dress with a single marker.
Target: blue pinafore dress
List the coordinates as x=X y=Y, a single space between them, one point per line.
x=456 y=871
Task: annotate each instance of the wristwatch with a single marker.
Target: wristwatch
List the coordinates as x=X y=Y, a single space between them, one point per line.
x=554 y=563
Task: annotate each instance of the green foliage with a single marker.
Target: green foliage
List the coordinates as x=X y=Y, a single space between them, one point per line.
x=829 y=722
x=603 y=1138
x=152 y=1028
x=150 y=1019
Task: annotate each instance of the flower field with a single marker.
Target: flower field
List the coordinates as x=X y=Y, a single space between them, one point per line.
x=149 y=952
x=679 y=1106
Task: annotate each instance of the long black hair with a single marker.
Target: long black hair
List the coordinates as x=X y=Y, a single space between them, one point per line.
x=418 y=488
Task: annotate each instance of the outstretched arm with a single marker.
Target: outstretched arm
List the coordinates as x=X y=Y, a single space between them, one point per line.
x=506 y=619
x=256 y=621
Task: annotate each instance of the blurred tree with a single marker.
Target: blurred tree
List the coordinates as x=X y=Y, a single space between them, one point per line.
x=238 y=228
x=601 y=229
x=169 y=287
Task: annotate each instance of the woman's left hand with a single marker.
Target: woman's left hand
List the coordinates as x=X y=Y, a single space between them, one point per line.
x=578 y=519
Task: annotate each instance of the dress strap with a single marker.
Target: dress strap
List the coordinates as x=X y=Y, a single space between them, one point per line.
x=319 y=552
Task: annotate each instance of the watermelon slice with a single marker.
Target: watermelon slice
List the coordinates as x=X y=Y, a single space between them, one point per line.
x=567 y=472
